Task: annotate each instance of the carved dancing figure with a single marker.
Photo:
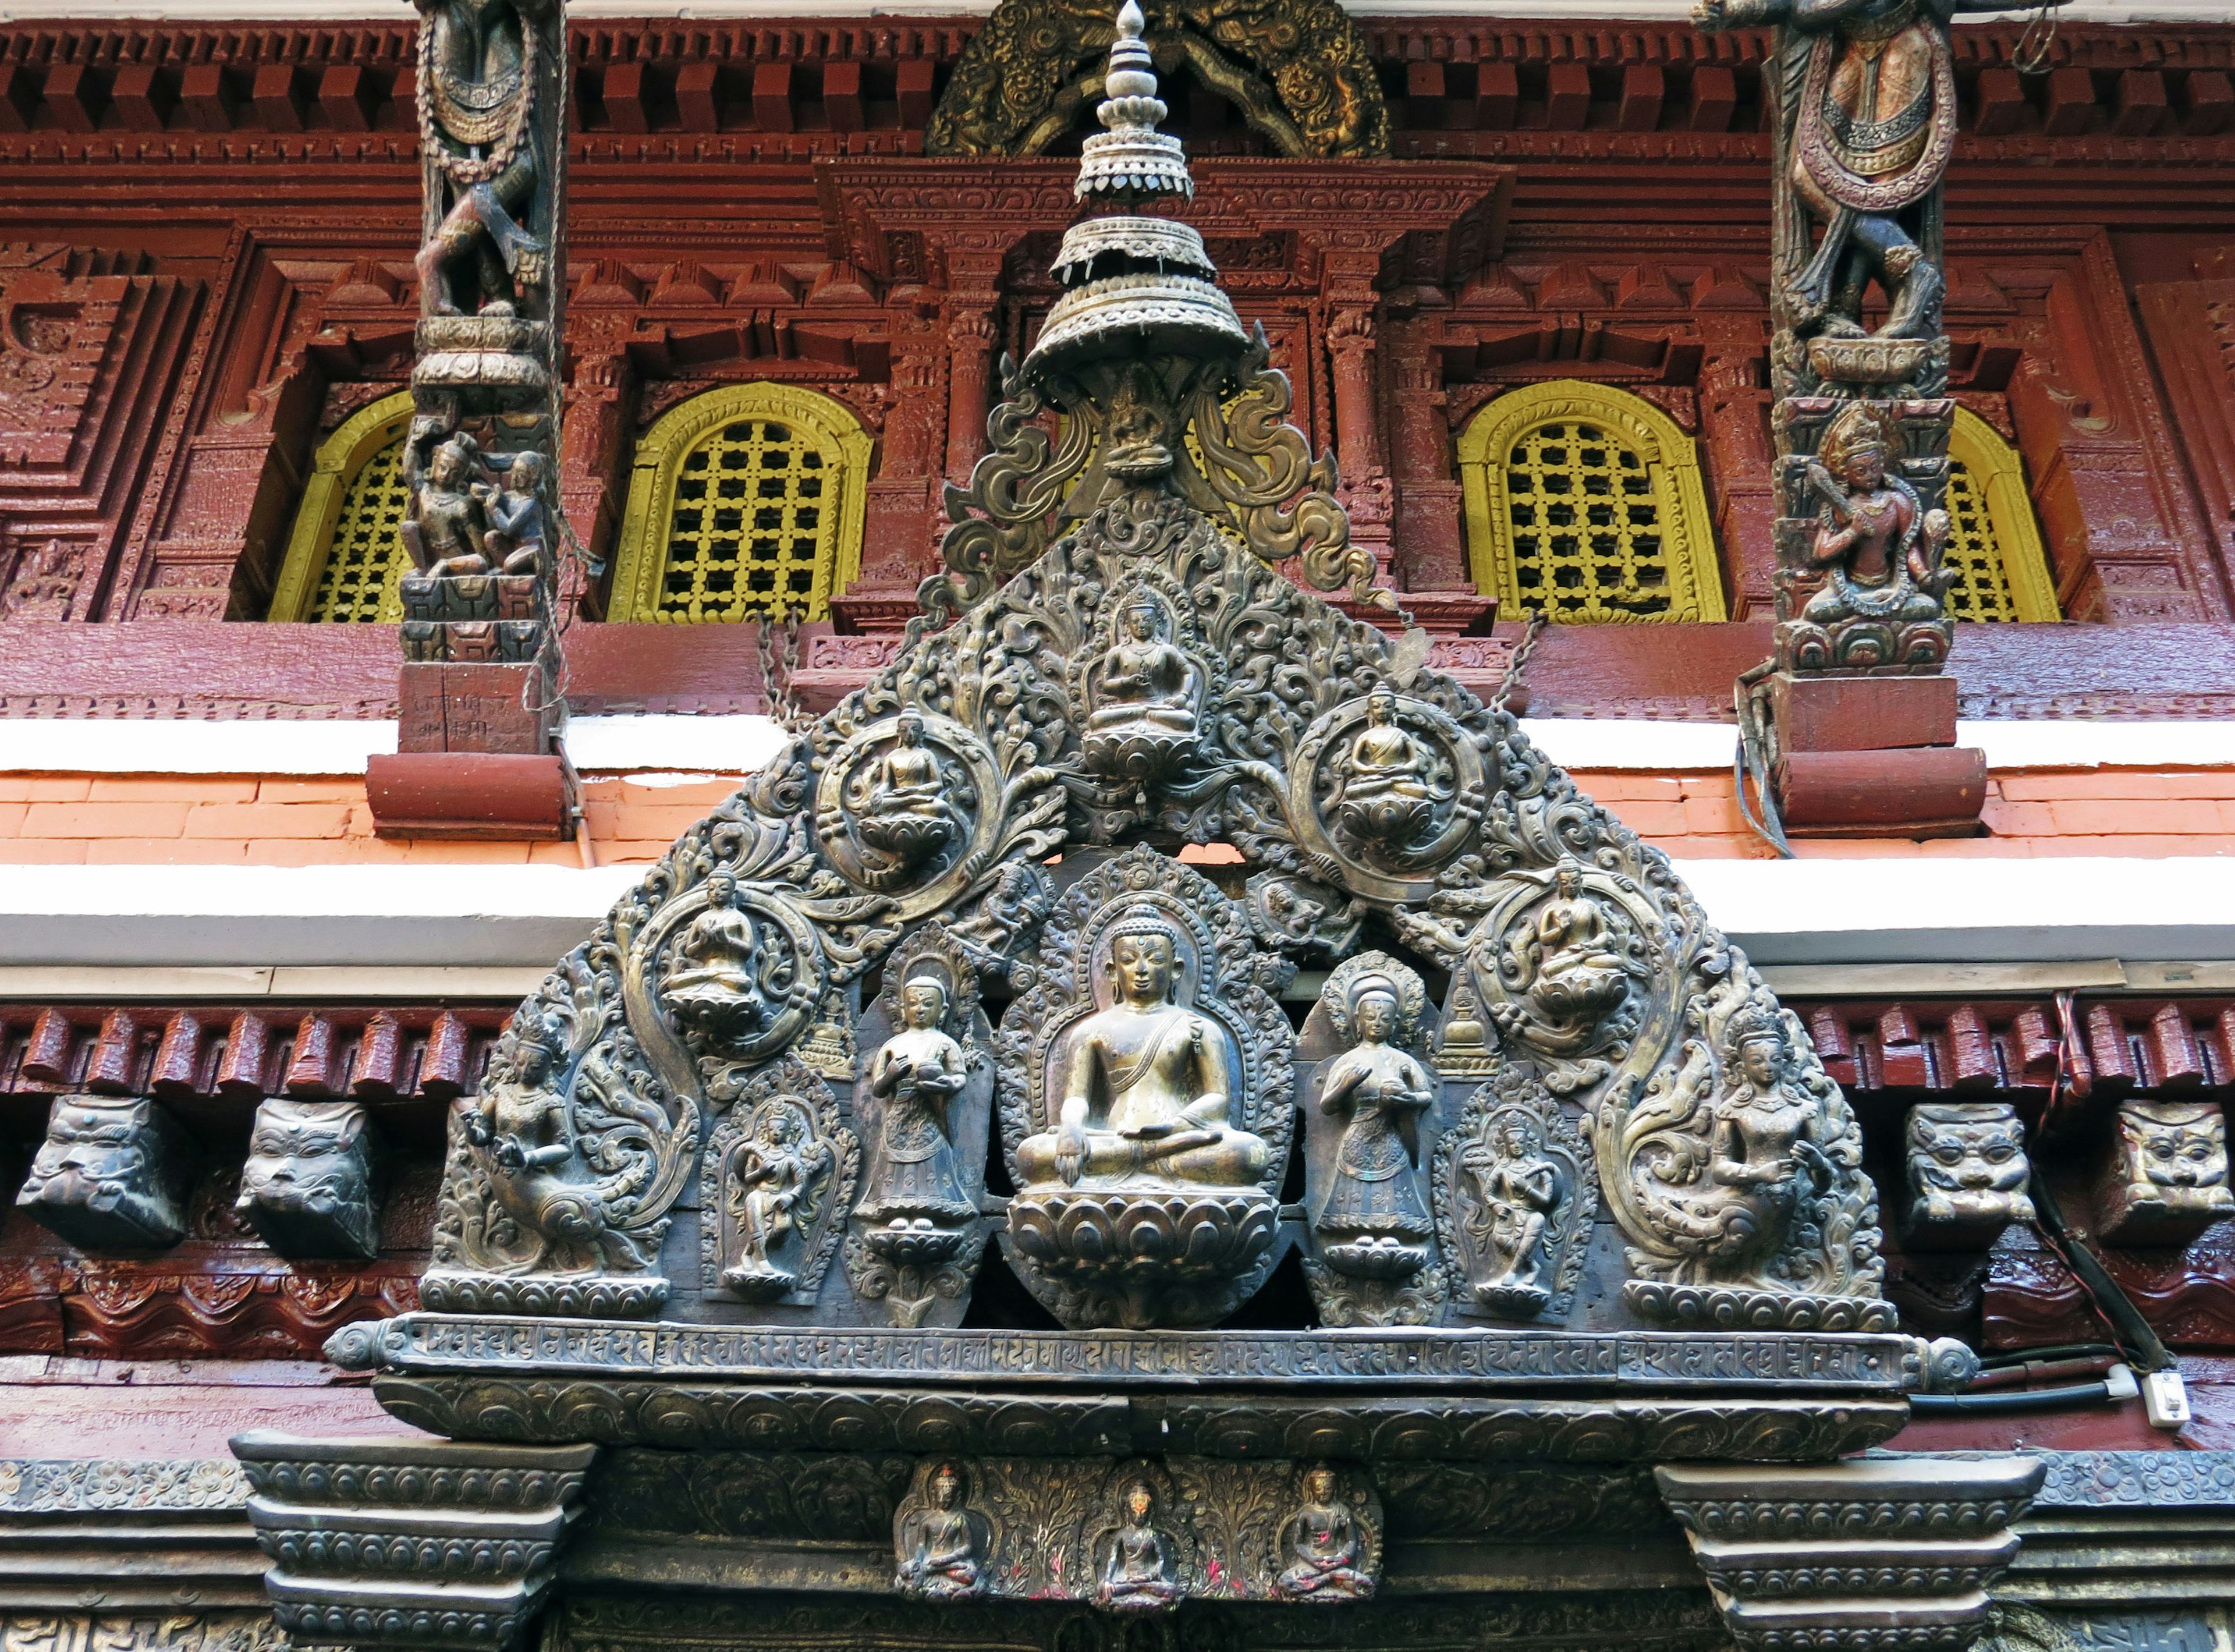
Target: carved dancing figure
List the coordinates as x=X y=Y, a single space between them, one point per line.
x=717 y=983
x=1147 y=1083
x=1137 y=1577
x=1879 y=548
x=1376 y=1222
x=774 y=1171
x=1519 y=1189
x=1323 y=1537
x=446 y=529
x=1389 y=792
x=916 y=1074
x=1868 y=100
x=939 y=1557
x=477 y=94
x=904 y=809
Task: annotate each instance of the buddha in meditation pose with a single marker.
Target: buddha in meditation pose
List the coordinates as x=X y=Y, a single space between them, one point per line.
x=1389 y=795
x=1146 y=1085
x=939 y=1557
x=1144 y=693
x=715 y=984
x=1137 y=1577
x=1322 y=1538
x=904 y=811
x=1572 y=960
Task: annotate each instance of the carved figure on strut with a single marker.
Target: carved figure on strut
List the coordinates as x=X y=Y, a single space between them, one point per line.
x=514 y=514
x=1375 y=1224
x=916 y=1073
x=477 y=87
x=1147 y=1084
x=1518 y=1190
x=719 y=980
x=446 y=528
x=1137 y=1577
x=1322 y=1540
x=905 y=811
x=775 y=1169
x=1144 y=691
x=1878 y=548
x=940 y=1557
x=1390 y=789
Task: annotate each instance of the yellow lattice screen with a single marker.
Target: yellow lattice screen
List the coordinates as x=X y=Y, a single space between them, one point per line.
x=749 y=532
x=1982 y=590
x=366 y=557
x=745 y=502
x=344 y=556
x=1994 y=542
x=1586 y=502
x=1586 y=528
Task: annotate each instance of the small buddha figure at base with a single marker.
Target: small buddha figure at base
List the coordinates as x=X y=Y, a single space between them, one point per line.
x=1137 y=1576
x=1323 y=1537
x=1146 y=1085
x=938 y=1558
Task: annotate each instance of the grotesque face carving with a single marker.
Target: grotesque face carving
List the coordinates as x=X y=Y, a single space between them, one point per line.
x=111 y=1175
x=1967 y=1174
x=307 y=1186
x=2165 y=1179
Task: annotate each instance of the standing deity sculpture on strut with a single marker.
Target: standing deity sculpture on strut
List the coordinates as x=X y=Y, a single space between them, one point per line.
x=1864 y=93
x=481 y=457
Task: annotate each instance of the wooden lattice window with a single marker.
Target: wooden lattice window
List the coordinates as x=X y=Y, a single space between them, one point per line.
x=1993 y=541
x=344 y=557
x=745 y=502
x=1587 y=502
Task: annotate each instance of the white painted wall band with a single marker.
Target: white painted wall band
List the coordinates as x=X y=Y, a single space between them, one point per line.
x=1782 y=912
x=739 y=744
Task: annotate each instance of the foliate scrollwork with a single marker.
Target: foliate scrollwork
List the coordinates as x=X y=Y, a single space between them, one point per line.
x=1516 y=1197
x=780 y=1173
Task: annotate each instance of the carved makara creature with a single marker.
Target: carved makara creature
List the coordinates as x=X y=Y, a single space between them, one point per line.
x=1134 y=1570
x=940 y=1543
x=1373 y=1223
x=2164 y=1179
x=308 y=1186
x=1968 y=1173
x=112 y=1174
x=1324 y=1545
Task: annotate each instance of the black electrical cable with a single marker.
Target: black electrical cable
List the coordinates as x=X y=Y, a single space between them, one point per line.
x=2009 y=1401
x=2060 y=1351
x=2137 y=1340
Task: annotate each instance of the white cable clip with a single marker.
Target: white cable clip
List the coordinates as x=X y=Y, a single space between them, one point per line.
x=2167 y=1399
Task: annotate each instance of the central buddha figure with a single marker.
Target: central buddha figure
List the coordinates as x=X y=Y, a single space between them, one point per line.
x=1146 y=1085
x=1144 y=691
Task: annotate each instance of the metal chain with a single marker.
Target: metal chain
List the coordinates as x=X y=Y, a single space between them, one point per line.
x=1519 y=663
x=2034 y=47
x=779 y=650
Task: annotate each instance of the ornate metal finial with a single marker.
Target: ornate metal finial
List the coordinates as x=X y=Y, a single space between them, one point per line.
x=1130 y=158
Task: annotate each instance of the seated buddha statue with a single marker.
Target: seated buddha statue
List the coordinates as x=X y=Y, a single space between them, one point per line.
x=904 y=811
x=1146 y=1085
x=1388 y=795
x=714 y=985
x=1144 y=693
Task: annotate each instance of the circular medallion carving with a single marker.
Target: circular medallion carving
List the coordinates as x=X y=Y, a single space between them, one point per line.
x=908 y=808
x=1387 y=788
x=1563 y=960
x=738 y=970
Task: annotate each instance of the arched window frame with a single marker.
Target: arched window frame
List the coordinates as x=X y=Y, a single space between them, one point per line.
x=1998 y=473
x=1687 y=531
x=641 y=560
x=339 y=458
